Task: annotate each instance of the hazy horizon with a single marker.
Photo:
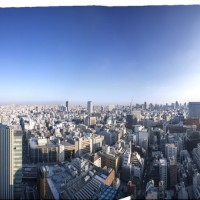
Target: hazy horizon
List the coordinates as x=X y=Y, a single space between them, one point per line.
x=76 y=103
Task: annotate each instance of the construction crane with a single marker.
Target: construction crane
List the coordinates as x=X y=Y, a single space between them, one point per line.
x=131 y=105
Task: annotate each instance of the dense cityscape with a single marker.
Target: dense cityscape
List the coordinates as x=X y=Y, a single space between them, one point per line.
x=99 y=102
x=138 y=151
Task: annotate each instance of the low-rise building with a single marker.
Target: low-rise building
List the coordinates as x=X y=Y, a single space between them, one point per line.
x=110 y=158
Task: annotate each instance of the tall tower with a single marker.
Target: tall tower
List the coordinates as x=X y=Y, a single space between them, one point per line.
x=89 y=107
x=67 y=105
x=10 y=162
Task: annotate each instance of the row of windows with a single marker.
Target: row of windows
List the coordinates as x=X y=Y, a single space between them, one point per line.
x=17 y=156
x=18 y=144
x=18 y=139
x=18 y=164
x=17 y=147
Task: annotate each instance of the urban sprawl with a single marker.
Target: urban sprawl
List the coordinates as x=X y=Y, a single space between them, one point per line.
x=136 y=151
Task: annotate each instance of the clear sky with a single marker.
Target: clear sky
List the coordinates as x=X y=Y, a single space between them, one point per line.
x=106 y=55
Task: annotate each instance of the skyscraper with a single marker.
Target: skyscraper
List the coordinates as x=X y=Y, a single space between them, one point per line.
x=67 y=105
x=194 y=109
x=177 y=105
x=10 y=162
x=89 y=107
x=145 y=105
x=163 y=171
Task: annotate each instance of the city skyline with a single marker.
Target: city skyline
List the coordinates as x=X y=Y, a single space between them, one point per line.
x=54 y=54
x=85 y=104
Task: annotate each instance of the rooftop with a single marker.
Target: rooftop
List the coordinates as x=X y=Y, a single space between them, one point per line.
x=84 y=186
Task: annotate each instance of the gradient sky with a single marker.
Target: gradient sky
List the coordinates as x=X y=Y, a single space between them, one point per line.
x=106 y=55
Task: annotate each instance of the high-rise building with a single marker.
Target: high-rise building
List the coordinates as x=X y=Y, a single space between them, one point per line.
x=170 y=151
x=151 y=107
x=194 y=109
x=130 y=121
x=154 y=172
x=67 y=105
x=163 y=171
x=145 y=105
x=89 y=107
x=142 y=136
x=172 y=170
x=10 y=163
x=177 y=104
x=161 y=190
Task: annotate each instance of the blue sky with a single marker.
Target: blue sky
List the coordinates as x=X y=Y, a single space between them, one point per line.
x=106 y=55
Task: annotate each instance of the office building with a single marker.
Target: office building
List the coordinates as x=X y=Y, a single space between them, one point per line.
x=10 y=162
x=43 y=150
x=145 y=105
x=176 y=105
x=194 y=109
x=90 y=107
x=138 y=164
x=46 y=150
x=163 y=171
x=172 y=170
x=170 y=151
x=109 y=158
x=154 y=172
x=130 y=121
x=90 y=121
x=90 y=144
x=142 y=138
x=110 y=137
